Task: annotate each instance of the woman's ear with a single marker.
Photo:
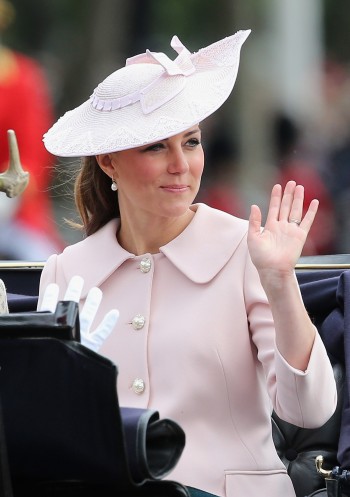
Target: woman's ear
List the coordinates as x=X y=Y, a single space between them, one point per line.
x=105 y=163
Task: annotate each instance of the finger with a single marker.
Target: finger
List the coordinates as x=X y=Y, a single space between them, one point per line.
x=310 y=215
x=89 y=309
x=287 y=201
x=254 y=220
x=50 y=298
x=297 y=207
x=107 y=325
x=275 y=204
x=74 y=289
x=95 y=340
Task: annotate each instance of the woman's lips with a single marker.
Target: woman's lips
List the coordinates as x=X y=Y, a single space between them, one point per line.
x=175 y=188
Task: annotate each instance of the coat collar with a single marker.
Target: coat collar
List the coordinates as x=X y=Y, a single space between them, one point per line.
x=207 y=243
x=199 y=252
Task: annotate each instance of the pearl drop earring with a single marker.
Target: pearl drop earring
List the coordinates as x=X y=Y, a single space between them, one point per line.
x=114 y=185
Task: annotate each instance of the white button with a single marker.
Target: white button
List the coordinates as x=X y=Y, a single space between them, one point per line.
x=138 y=322
x=145 y=265
x=138 y=386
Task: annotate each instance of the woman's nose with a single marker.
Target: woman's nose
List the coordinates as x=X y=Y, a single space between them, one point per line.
x=177 y=162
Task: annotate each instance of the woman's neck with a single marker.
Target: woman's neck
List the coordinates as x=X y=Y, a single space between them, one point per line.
x=138 y=237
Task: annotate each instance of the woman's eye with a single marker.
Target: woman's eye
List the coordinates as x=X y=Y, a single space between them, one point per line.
x=193 y=142
x=154 y=147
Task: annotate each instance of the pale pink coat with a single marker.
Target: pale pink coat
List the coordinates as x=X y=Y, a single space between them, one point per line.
x=206 y=352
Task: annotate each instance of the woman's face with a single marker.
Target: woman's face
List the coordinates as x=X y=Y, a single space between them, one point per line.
x=161 y=179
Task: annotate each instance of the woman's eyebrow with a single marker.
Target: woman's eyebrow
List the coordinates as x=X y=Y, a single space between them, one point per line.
x=193 y=132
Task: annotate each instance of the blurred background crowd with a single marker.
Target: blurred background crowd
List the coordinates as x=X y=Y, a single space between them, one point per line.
x=288 y=116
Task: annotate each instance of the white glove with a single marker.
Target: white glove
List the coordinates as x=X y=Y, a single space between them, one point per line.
x=95 y=339
x=4 y=309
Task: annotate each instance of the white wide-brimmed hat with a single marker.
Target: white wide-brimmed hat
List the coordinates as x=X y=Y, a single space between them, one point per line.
x=151 y=98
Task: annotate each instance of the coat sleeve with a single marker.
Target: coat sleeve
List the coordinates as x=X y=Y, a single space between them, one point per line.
x=303 y=398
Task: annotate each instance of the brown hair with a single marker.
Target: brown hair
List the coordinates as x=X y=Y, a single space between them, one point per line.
x=96 y=202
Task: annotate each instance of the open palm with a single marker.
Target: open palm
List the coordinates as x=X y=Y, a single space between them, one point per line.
x=279 y=244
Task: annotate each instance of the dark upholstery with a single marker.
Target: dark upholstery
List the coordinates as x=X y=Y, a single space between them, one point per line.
x=64 y=432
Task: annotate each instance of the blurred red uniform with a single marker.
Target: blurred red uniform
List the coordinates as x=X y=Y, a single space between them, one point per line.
x=25 y=107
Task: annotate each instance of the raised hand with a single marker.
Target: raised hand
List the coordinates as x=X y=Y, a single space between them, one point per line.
x=278 y=246
x=93 y=340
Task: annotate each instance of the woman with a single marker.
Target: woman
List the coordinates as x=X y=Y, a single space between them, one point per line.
x=212 y=331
